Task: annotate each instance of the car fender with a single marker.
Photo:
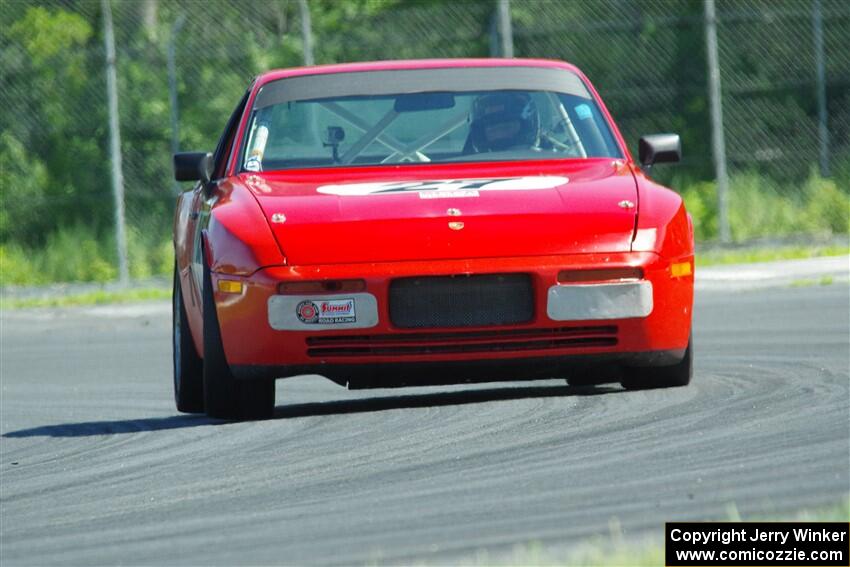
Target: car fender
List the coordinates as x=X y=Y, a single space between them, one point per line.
x=665 y=228
x=238 y=240
x=182 y=231
x=663 y=224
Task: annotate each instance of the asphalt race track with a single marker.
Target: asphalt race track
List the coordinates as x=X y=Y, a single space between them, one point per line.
x=97 y=467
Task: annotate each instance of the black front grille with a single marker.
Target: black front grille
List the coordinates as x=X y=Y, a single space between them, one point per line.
x=461 y=301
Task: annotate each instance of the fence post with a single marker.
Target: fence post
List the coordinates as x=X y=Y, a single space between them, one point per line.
x=172 y=88
x=823 y=132
x=493 y=35
x=115 y=144
x=306 y=32
x=718 y=141
x=506 y=36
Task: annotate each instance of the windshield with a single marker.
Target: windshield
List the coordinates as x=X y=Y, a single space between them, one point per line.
x=426 y=127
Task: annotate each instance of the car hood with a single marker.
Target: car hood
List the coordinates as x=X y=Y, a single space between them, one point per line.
x=433 y=212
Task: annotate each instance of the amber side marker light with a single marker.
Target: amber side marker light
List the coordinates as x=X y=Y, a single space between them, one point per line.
x=681 y=269
x=324 y=286
x=229 y=286
x=600 y=275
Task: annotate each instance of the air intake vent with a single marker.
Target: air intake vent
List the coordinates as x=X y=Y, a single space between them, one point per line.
x=428 y=343
x=461 y=301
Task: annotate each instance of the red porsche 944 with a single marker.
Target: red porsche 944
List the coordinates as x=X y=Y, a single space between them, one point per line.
x=426 y=222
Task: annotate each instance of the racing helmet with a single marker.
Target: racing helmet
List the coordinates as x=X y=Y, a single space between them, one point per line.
x=501 y=121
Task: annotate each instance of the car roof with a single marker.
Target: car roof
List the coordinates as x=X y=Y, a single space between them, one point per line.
x=409 y=64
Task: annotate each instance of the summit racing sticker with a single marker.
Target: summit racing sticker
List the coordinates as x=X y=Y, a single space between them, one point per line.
x=326 y=312
x=446 y=188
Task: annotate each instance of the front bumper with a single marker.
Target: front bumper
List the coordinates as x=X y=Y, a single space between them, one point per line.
x=644 y=322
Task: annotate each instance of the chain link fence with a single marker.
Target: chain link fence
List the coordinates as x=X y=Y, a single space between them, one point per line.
x=182 y=66
x=649 y=62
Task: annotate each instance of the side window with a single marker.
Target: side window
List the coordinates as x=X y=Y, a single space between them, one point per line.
x=225 y=143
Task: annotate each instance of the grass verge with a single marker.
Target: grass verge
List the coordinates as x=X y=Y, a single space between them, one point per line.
x=758 y=254
x=99 y=297
x=807 y=282
x=613 y=551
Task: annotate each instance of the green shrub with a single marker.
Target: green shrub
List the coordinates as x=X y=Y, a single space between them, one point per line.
x=148 y=256
x=78 y=254
x=701 y=202
x=24 y=180
x=75 y=254
x=760 y=207
x=162 y=261
x=138 y=255
x=756 y=209
x=17 y=267
x=827 y=207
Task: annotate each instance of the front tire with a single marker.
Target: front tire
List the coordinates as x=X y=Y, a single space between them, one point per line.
x=188 y=366
x=226 y=397
x=645 y=378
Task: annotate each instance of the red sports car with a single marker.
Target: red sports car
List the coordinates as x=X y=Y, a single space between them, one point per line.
x=426 y=222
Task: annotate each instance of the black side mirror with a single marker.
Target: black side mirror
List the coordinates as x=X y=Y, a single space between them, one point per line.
x=659 y=148
x=193 y=166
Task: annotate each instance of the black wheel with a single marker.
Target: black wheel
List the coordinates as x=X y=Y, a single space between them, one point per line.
x=661 y=376
x=226 y=397
x=188 y=373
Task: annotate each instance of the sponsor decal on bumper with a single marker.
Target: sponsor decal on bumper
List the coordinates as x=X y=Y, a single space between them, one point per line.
x=574 y=302
x=326 y=312
x=317 y=313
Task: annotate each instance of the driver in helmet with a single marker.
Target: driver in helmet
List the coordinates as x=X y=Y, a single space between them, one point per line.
x=503 y=121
